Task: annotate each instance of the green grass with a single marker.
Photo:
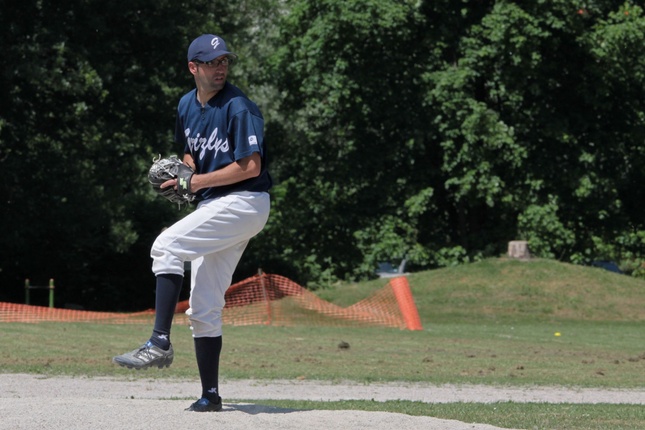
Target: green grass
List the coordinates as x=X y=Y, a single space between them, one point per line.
x=514 y=291
x=490 y=323
x=595 y=354
x=532 y=416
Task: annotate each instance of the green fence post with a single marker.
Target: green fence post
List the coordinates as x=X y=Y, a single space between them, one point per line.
x=27 y=291
x=51 y=293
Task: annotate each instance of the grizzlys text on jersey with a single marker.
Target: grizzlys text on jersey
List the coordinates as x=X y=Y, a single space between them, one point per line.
x=226 y=129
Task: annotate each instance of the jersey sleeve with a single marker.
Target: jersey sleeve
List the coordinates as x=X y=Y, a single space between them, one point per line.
x=248 y=128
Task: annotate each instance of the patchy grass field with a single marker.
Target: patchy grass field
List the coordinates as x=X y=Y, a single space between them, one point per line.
x=491 y=323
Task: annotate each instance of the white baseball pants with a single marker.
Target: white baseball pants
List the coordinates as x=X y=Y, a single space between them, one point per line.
x=213 y=238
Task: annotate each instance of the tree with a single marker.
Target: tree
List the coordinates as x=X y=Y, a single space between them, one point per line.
x=87 y=98
x=440 y=131
x=347 y=71
x=431 y=130
x=542 y=71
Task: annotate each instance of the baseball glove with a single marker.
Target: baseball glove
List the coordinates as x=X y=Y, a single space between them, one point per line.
x=164 y=169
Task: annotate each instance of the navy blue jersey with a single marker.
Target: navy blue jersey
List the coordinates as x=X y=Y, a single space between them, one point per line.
x=228 y=128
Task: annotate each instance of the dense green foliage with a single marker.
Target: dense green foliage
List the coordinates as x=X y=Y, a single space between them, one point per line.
x=431 y=130
x=441 y=130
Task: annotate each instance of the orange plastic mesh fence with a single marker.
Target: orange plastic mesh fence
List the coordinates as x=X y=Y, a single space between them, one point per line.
x=260 y=300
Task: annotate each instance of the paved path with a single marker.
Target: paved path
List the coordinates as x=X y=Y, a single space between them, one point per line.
x=41 y=402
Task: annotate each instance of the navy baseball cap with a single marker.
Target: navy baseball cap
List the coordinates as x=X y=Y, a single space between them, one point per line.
x=207 y=47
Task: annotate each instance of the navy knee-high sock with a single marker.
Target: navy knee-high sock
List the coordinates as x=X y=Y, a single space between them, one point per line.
x=207 y=351
x=167 y=296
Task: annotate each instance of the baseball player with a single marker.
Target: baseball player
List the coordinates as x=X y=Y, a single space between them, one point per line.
x=221 y=131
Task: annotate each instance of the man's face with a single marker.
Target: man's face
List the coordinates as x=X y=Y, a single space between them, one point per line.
x=211 y=75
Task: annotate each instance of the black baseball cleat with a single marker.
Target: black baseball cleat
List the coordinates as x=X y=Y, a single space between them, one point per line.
x=205 y=405
x=147 y=355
